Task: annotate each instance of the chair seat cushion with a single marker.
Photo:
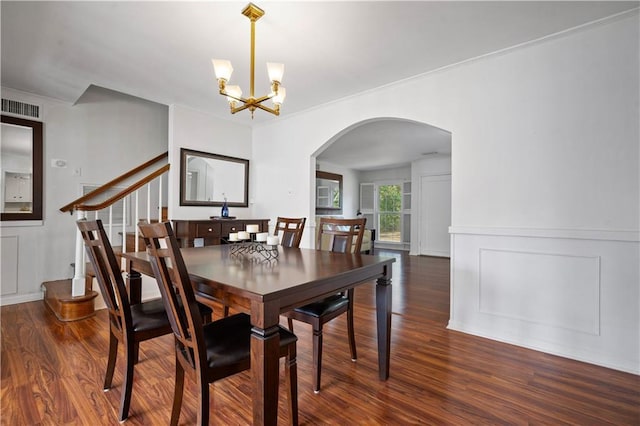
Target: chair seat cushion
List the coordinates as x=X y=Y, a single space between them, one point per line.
x=228 y=340
x=150 y=315
x=325 y=306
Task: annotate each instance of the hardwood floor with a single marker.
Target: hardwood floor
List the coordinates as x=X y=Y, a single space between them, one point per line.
x=52 y=372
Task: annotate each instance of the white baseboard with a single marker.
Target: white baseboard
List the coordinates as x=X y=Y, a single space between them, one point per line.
x=628 y=366
x=390 y=246
x=21 y=298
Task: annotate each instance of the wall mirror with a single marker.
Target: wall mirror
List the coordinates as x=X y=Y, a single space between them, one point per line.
x=328 y=193
x=207 y=179
x=21 y=154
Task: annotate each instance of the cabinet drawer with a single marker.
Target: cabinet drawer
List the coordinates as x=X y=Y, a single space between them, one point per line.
x=228 y=228
x=204 y=230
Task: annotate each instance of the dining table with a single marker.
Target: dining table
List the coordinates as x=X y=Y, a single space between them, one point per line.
x=267 y=287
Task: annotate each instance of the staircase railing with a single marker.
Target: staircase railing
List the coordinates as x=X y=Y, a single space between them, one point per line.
x=101 y=201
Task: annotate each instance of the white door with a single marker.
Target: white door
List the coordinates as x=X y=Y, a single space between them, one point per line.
x=435 y=215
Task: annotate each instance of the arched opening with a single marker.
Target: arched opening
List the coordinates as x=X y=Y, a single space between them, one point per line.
x=396 y=173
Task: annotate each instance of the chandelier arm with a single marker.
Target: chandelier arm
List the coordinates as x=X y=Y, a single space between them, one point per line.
x=240 y=108
x=224 y=93
x=272 y=111
x=264 y=98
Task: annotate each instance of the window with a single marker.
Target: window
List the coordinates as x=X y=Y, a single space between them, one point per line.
x=387 y=208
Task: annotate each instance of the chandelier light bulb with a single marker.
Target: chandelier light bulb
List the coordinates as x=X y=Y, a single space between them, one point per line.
x=275 y=71
x=234 y=92
x=279 y=98
x=222 y=69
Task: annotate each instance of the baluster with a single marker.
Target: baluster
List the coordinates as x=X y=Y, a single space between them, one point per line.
x=124 y=225
x=160 y=198
x=110 y=222
x=149 y=202
x=135 y=223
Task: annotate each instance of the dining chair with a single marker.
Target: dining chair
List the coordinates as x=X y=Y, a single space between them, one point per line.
x=339 y=236
x=128 y=324
x=208 y=352
x=291 y=229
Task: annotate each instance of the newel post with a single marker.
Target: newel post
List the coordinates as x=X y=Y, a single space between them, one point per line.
x=78 y=283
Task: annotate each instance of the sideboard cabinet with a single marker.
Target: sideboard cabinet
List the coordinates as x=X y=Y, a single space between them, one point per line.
x=213 y=231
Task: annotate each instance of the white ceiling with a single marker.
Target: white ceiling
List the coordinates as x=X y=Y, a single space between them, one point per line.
x=162 y=51
x=385 y=144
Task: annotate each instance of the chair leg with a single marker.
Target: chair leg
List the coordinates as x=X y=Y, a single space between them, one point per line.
x=226 y=311
x=127 y=386
x=350 y=329
x=317 y=357
x=111 y=363
x=136 y=352
x=203 y=409
x=178 y=391
x=290 y=322
x=291 y=367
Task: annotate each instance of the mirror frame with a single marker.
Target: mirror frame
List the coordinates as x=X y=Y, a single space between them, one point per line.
x=184 y=152
x=37 y=167
x=329 y=176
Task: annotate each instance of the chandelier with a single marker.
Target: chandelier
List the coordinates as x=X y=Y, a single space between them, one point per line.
x=223 y=70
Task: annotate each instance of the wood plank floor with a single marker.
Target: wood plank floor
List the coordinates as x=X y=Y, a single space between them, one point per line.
x=52 y=372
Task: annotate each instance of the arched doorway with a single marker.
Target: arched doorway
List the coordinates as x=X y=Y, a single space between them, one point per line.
x=393 y=164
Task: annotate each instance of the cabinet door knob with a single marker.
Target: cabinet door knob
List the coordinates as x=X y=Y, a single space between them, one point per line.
x=233 y=229
x=210 y=229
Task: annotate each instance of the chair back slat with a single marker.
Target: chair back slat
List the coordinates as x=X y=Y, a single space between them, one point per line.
x=177 y=293
x=341 y=235
x=291 y=229
x=107 y=271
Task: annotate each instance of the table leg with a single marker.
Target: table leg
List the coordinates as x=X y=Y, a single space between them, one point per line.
x=134 y=285
x=383 y=313
x=265 y=356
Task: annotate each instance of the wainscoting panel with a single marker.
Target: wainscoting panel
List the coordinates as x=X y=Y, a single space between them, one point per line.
x=545 y=288
x=9 y=274
x=574 y=297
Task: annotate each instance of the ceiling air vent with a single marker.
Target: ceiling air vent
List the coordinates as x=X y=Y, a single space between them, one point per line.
x=20 y=108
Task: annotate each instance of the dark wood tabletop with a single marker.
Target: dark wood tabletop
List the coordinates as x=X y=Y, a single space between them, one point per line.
x=268 y=288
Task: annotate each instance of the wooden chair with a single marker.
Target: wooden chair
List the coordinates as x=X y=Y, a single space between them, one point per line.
x=292 y=229
x=129 y=324
x=340 y=236
x=213 y=351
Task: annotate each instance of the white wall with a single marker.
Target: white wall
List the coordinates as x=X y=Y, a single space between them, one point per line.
x=545 y=155
x=196 y=130
x=395 y=173
x=105 y=134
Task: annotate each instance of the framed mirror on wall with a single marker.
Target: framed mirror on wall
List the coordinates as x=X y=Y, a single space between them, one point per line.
x=208 y=179
x=328 y=193
x=21 y=169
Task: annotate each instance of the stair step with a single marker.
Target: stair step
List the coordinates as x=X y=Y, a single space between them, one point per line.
x=57 y=296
